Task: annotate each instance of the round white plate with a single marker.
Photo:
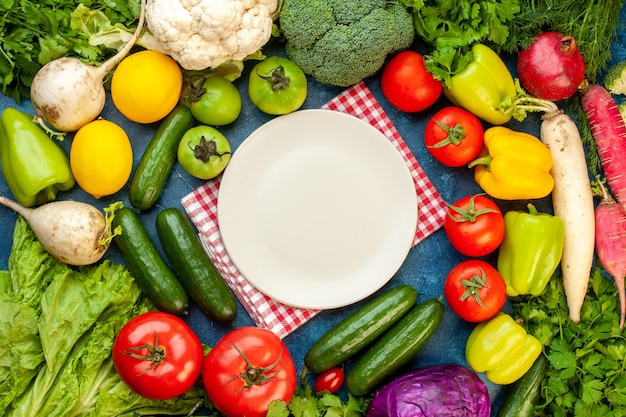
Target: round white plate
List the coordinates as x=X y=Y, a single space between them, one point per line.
x=317 y=209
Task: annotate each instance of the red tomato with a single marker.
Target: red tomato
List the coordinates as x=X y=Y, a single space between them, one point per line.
x=474 y=225
x=247 y=369
x=330 y=380
x=475 y=290
x=158 y=355
x=454 y=136
x=406 y=83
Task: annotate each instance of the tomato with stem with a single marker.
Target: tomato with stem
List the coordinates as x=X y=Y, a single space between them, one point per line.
x=158 y=355
x=474 y=225
x=247 y=369
x=216 y=103
x=277 y=86
x=475 y=290
x=454 y=136
x=204 y=152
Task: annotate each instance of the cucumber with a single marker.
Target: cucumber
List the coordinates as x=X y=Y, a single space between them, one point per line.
x=146 y=265
x=523 y=394
x=360 y=328
x=193 y=266
x=158 y=159
x=395 y=348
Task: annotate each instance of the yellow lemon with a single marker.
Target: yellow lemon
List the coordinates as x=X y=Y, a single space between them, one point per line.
x=146 y=86
x=101 y=158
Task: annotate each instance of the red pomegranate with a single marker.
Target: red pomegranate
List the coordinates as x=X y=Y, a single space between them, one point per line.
x=552 y=67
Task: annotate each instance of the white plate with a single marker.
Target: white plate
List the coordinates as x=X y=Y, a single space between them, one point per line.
x=317 y=209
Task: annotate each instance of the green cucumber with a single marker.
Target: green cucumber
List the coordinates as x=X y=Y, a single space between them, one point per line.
x=523 y=394
x=146 y=264
x=395 y=348
x=158 y=159
x=360 y=328
x=193 y=266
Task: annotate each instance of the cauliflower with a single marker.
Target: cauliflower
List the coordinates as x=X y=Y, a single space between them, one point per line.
x=340 y=42
x=201 y=34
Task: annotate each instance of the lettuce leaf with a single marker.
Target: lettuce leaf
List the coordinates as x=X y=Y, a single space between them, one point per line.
x=58 y=325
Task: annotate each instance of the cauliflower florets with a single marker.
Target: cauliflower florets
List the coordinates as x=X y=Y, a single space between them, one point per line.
x=202 y=34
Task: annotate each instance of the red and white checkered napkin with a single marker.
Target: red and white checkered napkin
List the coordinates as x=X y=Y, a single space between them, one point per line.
x=201 y=205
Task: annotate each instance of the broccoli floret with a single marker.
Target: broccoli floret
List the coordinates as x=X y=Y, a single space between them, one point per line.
x=615 y=78
x=340 y=42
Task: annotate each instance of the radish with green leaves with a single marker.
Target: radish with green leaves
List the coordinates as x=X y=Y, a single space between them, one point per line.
x=609 y=134
x=73 y=232
x=68 y=93
x=611 y=243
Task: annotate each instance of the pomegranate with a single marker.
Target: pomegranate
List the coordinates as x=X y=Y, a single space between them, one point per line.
x=552 y=67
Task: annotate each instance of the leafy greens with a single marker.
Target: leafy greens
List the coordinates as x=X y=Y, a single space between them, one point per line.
x=34 y=32
x=58 y=325
x=451 y=27
x=586 y=373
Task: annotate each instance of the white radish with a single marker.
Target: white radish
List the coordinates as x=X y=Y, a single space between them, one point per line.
x=73 y=232
x=67 y=93
x=572 y=199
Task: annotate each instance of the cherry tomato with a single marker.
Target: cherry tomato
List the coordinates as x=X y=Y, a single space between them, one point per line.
x=406 y=83
x=204 y=152
x=330 y=380
x=475 y=290
x=247 y=369
x=158 y=355
x=216 y=103
x=474 y=225
x=277 y=86
x=454 y=136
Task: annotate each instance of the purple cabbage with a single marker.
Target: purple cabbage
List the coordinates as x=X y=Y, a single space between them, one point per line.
x=434 y=391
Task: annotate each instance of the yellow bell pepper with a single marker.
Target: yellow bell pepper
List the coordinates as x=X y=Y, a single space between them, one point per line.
x=502 y=349
x=513 y=165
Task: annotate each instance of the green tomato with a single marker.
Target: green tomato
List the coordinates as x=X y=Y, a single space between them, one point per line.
x=277 y=86
x=204 y=152
x=217 y=102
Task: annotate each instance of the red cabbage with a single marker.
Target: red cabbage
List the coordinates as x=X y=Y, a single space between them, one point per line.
x=435 y=391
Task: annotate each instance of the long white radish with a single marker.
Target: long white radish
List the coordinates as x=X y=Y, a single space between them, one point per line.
x=572 y=199
x=68 y=93
x=73 y=232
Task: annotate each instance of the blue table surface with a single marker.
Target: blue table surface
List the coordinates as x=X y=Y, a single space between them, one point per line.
x=426 y=265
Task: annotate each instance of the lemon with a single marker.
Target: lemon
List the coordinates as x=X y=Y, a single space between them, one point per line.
x=146 y=86
x=101 y=158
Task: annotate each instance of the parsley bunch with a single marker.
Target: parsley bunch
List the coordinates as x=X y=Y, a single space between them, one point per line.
x=306 y=403
x=586 y=373
x=34 y=32
x=451 y=27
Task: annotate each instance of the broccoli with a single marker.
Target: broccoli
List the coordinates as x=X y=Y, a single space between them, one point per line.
x=615 y=78
x=340 y=42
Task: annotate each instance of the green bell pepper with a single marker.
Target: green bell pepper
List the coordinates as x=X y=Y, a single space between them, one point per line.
x=484 y=87
x=531 y=250
x=34 y=166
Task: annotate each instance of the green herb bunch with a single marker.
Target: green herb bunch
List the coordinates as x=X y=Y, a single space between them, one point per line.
x=586 y=373
x=450 y=27
x=34 y=32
